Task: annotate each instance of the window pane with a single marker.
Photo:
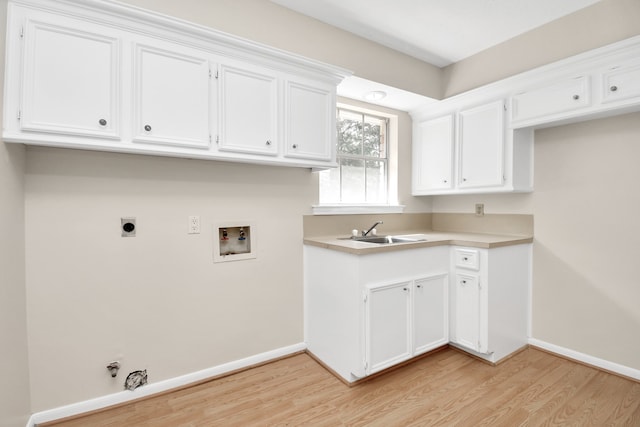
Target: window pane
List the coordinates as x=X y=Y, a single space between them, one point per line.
x=329 y=185
x=353 y=180
x=376 y=181
x=349 y=133
x=374 y=134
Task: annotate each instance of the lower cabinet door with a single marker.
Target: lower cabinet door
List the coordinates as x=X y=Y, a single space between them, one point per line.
x=430 y=314
x=467 y=311
x=387 y=325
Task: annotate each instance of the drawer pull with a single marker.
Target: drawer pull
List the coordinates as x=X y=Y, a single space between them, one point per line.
x=613 y=88
x=465 y=259
x=102 y=122
x=576 y=97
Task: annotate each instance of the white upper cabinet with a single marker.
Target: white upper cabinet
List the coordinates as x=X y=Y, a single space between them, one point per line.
x=106 y=76
x=621 y=83
x=309 y=120
x=71 y=78
x=172 y=96
x=493 y=149
x=248 y=108
x=475 y=146
x=433 y=155
x=481 y=146
x=554 y=100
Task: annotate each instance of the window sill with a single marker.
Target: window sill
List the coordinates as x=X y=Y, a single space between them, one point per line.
x=356 y=209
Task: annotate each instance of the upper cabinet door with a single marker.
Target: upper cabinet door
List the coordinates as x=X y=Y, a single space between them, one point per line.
x=556 y=100
x=481 y=142
x=433 y=155
x=310 y=112
x=172 y=90
x=71 y=79
x=248 y=105
x=622 y=83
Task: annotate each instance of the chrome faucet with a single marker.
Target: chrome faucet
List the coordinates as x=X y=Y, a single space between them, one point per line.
x=365 y=233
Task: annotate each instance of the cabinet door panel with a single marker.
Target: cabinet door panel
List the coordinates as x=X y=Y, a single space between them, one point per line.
x=430 y=302
x=433 y=155
x=481 y=142
x=622 y=83
x=171 y=97
x=310 y=121
x=561 y=97
x=467 y=311
x=248 y=110
x=71 y=81
x=388 y=326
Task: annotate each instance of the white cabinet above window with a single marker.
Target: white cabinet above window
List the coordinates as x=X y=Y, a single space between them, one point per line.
x=109 y=77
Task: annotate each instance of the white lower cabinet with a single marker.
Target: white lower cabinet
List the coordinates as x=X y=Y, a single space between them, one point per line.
x=430 y=313
x=366 y=313
x=489 y=310
x=388 y=325
x=404 y=319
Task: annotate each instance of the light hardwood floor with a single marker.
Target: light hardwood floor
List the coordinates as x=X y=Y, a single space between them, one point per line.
x=447 y=388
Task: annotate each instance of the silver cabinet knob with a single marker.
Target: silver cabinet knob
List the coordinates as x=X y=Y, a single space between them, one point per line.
x=464 y=282
x=147 y=128
x=405 y=289
x=465 y=259
x=419 y=286
x=576 y=97
x=295 y=146
x=613 y=88
x=268 y=142
x=445 y=181
x=102 y=122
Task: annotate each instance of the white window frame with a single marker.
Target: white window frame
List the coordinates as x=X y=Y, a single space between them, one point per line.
x=392 y=205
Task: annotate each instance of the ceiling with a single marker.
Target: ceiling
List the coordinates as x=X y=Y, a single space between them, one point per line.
x=440 y=32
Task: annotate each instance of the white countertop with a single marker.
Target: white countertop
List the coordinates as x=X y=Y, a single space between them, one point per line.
x=432 y=238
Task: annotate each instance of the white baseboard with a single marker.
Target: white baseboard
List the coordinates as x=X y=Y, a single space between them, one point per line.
x=160 y=386
x=586 y=359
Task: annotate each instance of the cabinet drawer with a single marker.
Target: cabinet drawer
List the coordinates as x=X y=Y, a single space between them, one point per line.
x=562 y=97
x=467 y=258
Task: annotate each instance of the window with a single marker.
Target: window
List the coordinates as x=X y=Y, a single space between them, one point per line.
x=362 y=175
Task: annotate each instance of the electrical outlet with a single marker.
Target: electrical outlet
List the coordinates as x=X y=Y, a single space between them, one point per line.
x=479 y=209
x=194 y=224
x=128 y=227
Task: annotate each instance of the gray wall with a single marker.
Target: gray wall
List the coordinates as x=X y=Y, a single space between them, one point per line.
x=14 y=386
x=158 y=301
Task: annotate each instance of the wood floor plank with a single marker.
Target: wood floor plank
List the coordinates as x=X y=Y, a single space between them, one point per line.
x=447 y=388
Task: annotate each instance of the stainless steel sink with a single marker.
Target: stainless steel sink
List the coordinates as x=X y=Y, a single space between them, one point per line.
x=385 y=240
